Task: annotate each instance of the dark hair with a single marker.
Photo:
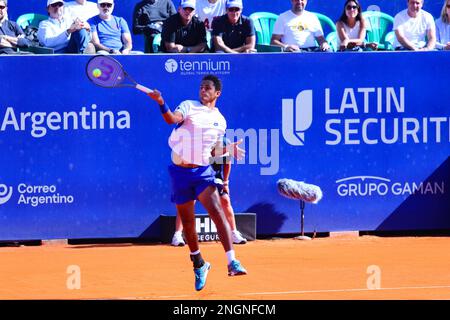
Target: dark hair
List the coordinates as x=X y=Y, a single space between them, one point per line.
x=344 y=17
x=215 y=80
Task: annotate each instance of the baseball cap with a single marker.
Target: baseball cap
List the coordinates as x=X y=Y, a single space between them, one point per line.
x=187 y=4
x=105 y=1
x=49 y=2
x=234 y=4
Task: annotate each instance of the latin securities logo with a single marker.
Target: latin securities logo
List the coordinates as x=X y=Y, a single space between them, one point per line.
x=297 y=117
x=197 y=67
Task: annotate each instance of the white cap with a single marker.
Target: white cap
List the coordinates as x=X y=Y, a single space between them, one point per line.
x=105 y=1
x=234 y=4
x=187 y=4
x=49 y=2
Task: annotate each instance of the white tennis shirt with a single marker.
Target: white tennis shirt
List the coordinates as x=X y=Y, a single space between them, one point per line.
x=194 y=138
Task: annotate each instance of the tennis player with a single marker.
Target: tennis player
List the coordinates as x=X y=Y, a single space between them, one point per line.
x=200 y=129
x=222 y=168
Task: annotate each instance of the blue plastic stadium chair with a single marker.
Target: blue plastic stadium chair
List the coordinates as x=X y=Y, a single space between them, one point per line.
x=332 y=41
x=264 y=22
x=32 y=19
x=378 y=25
x=389 y=41
x=327 y=24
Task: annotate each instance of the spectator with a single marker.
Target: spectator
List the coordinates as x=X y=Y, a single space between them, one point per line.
x=232 y=32
x=62 y=33
x=351 y=28
x=207 y=10
x=443 y=28
x=298 y=30
x=11 y=34
x=414 y=28
x=183 y=32
x=82 y=9
x=110 y=34
x=148 y=18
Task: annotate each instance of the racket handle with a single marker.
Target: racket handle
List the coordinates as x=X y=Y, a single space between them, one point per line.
x=144 y=89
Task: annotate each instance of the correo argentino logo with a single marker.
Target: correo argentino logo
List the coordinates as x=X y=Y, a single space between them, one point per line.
x=5 y=193
x=297 y=118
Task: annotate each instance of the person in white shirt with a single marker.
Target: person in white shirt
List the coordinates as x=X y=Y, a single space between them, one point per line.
x=443 y=28
x=298 y=30
x=199 y=131
x=82 y=9
x=414 y=28
x=207 y=10
x=62 y=33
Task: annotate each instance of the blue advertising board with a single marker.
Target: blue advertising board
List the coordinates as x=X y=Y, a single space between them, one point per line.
x=371 y=129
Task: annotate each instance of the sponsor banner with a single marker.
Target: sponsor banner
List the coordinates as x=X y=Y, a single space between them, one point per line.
x=82 y=161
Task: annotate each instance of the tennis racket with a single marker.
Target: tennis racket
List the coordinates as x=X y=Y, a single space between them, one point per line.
x=107 y=72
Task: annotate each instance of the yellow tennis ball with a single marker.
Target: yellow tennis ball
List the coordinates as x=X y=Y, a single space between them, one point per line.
x=96 y=72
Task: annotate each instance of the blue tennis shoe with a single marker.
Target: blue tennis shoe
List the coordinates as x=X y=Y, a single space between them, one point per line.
x=236 y=269
x=200 y=276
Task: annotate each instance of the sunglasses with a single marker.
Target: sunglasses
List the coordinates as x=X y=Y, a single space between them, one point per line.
x=234 y=9
x=57 y=5
x=448 y=6
x=352 y=7
x=104 y=5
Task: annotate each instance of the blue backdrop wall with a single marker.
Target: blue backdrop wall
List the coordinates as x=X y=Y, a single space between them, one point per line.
x=80 y=161
x=333 y=8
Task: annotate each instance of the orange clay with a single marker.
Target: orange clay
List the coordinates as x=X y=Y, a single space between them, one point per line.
x=325 y=268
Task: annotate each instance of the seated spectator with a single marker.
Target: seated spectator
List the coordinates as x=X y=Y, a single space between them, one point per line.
x=11 y=34
x=351 y=28
x=148 y=18
x=232 y=32
x=82 y=9
x=62 y=33
x=298 y=30
x=183 y=32
x=443 y=28
x=207 y=10
x=414 y=28
x=110 y=34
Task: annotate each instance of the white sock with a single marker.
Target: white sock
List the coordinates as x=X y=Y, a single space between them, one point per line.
x=195 y=252
x=178 y=232
x=230 y=256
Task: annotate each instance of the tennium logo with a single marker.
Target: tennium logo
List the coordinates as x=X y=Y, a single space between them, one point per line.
x=198 y=67
x=5 y=193
x=370 y=186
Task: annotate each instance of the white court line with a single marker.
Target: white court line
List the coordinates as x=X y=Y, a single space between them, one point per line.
x=341 y=290
x=293 y=292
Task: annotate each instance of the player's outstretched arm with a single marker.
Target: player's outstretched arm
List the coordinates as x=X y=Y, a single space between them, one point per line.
x=169 y=116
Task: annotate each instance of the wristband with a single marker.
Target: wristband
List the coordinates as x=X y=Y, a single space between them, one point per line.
x=164 y=108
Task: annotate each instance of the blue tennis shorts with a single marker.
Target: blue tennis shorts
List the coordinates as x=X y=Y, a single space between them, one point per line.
x=188 y=183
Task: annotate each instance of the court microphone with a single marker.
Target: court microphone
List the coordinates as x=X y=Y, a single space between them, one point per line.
x=299 y=190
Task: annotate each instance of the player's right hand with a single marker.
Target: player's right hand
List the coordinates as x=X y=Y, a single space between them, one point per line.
x=156 y=95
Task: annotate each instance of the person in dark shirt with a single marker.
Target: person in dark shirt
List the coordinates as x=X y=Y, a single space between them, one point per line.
x=233 y=32
x=11 y=34
x=183 y=32
x=148 y=18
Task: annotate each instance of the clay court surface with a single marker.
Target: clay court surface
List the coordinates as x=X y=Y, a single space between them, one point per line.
x=325 y=268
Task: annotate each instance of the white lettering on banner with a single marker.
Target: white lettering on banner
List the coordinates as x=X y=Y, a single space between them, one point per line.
x=36 y=195
x=368 y=186
x=378 y=128
x=40 y=122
